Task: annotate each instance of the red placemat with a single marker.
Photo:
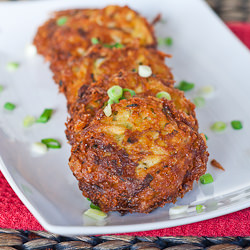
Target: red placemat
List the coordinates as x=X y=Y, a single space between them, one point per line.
x=13 y=214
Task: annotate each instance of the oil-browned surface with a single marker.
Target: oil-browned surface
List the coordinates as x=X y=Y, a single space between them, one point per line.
x=148 y=152
x=94 y=96
x=113 y=24
x=143 y=156
x=101 y=63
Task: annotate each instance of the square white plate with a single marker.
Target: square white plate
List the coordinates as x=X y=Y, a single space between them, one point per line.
x=204 y=52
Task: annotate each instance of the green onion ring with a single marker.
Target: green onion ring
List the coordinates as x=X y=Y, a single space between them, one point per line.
x=51 y=143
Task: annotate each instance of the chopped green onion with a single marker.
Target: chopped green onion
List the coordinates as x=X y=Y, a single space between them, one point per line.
x=185 y=86
x=178 y=210
x=9 y=106
x=51 y=143
x=107 y=110
x=206 y=91
x=168 y=41
x=12 y=66
x=144 y=71
x=95 y=214
x=132 y=92
x=115 y=92
x=38 y=147
x=28 y=121
x=116 y=45
x=1 y=88
x=30 y=50
x=206 y=179
x=92 y=205
x=99 y=61
x=61 y=21
x=199 y=102
x=110 y=101
x=199 y=208
x=206 y=137
x=218 y=126
x=164 y=95
x=236 y=124
x=94 y=40
x=88 y=199
x=45 y=116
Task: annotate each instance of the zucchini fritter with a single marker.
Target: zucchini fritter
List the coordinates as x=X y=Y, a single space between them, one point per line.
x=141 y=157
x=101 y=63
x=110 y=25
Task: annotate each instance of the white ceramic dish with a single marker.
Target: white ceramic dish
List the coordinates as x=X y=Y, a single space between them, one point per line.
x=204 y=51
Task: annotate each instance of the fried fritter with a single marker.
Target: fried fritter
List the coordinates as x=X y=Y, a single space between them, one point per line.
x=141 y=157
x=101 y=63
x=110 y=25
x=149 y=151
x=93 y=97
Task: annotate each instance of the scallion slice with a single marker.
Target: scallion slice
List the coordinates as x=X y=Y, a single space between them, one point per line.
x=206 y=91
x=199 y=102
x=116 y=45
x=61 y=20
x=219 y=126
x=12 y=66
x=236 y=125
x=178 y=210
x=29 y=121
x=94 y=40
x=115 y=92
x=168 y=41
x=95 y=214
x=144 y=71
x=45 y=116
x=163 y=94
x=108 y=110
x=132 y=92
x=9 y=106
x=1 y=88
x=199 y=208
x=92 y=205
x=51 y=143
x=38 y=147
x=185 y=86
x=30 y=50
x=206 y=179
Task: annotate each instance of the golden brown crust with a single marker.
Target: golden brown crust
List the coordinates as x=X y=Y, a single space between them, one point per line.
x=93 y=97
x=140 y=158
x=110 y=25
x=148 y=152
x=102 y=63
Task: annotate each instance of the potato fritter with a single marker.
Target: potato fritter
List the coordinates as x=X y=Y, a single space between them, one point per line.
x=93 y=97
x=141 y=157
x=57 y=40
x=148 y=152
x=101 y=63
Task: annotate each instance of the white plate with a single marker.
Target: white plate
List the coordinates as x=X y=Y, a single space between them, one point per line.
x=204 y=51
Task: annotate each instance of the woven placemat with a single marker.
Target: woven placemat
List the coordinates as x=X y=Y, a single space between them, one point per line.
x=232 y=10
x=31 y=240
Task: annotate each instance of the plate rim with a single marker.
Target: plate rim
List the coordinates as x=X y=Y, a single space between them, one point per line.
x=91 y=230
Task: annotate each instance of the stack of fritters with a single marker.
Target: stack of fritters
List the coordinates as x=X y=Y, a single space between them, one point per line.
x=149 y=151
